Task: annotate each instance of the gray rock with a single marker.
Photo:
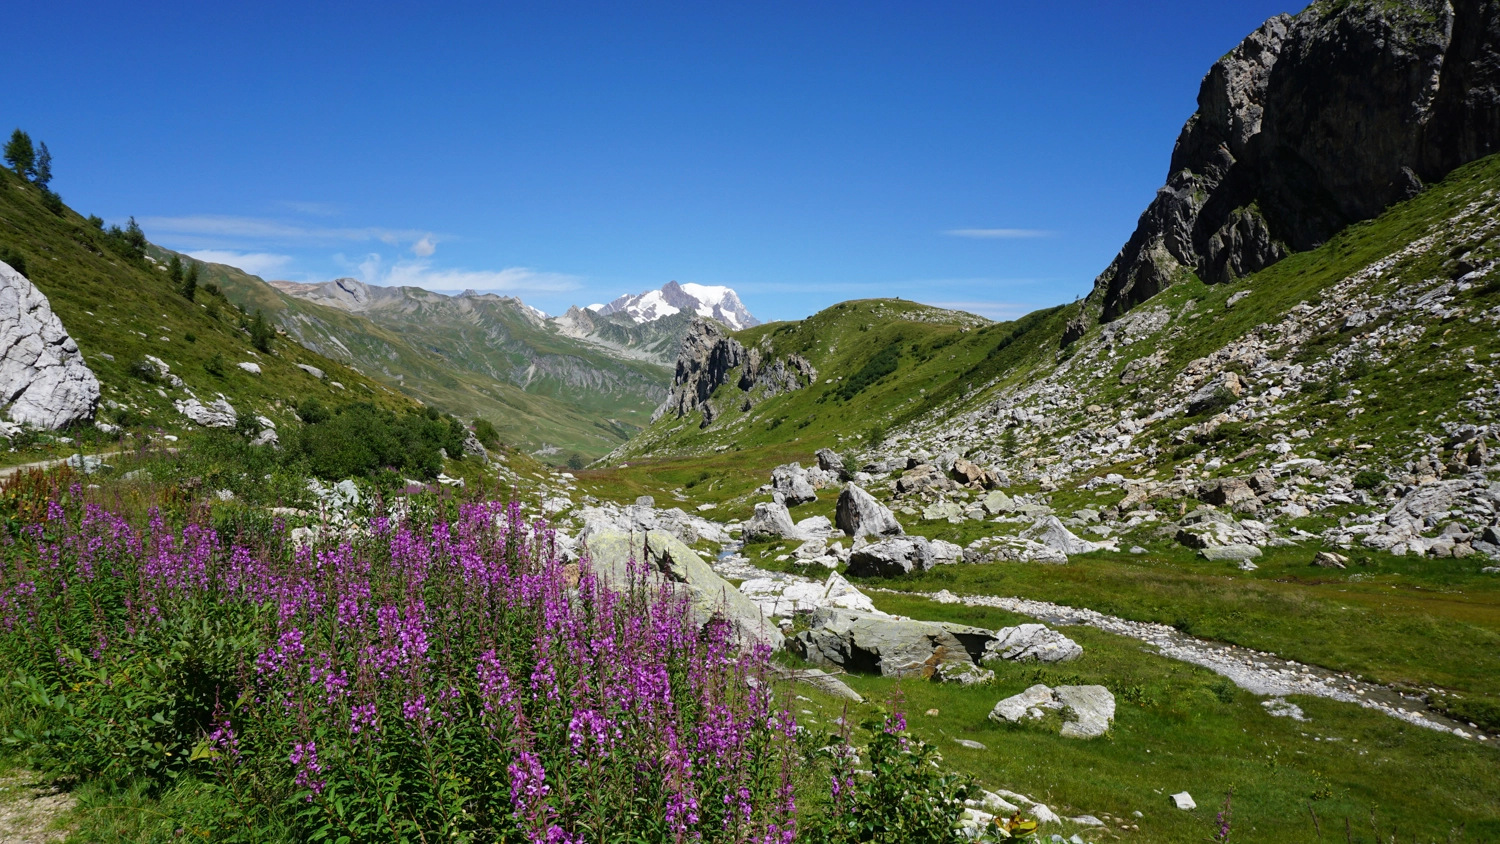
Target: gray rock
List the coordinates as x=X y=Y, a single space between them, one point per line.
x=474 y=447
x=1031 y=642
x=825 y=683
x=791 y=481
x=830 y=461
x=1051 y=532
x=43 y=377
x=1087 y=710
x=311 y=370
x=1183 y=801
x=859 y=514
x=997 y=502
x=970 y=744
x=218 y=413
x=1026 y=705
x=871 y=644
x=671 y=564
x=771 y=521
x=1230 y=553
x=892 y=557
x=252 y=368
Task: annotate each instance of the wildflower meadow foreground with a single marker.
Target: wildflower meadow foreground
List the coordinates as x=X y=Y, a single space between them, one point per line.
x=442 y=676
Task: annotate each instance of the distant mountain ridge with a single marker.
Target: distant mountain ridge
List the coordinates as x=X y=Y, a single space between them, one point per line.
x=719 y=303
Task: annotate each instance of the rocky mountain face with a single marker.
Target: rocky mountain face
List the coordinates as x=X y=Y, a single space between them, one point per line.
x=655 y=341
x=708 y=357
x=43 y=378
x=1314 y=122
x=719 y=303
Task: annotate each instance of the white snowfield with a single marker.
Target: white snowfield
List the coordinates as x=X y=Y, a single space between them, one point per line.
x=713 y=302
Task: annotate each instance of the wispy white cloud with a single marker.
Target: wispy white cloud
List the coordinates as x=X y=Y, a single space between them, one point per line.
x=989 y=310
x=254 y=263
x=999 y=234
x=314 y=209
x=373 y=269
x=266 y=230
x=424 y=247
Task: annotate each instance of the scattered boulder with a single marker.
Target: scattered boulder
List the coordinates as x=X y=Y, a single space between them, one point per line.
x=311 y=370
x=1031 y=643
x=672 y=564
x=790 y=482
x=1087 y=710
x=1205 y=398
x=997 y=502
x=252 y=368
x=43 y=377
x=969 y=474
x=863 y=643
x=771 y=521
x=859 y=514
x=1233 y=553
x=216 y=414
x=1330 y=560
x=1226 y=492
x=830 y=461
x=892 y=557
x=1011 y=549
x=1052 y=533
x=1183 y=801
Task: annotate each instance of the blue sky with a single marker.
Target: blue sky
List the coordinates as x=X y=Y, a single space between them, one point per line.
x=991 y=156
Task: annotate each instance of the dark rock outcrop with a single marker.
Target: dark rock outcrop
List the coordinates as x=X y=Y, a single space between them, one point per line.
x=708 y=354
x=1312 y=123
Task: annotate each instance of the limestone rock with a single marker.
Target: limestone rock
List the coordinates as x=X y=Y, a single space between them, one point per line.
x=1087 y=710
x=791 y=482
x=891 y=647
x=1051 y=532
x=892 y=557
x=1023 y=706
x=43 y=377
x=1031 y=643
x=1234 y=553
x=859 y=514
x=672 y=564
x=707 y=355
x=830 y=461
x=311 y=370
x=218 y=413
x=771 y=521
x=252 y=368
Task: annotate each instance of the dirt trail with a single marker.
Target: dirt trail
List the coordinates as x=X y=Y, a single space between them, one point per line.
x=31 y=809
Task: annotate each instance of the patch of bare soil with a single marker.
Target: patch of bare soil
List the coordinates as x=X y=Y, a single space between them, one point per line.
x=31 y=809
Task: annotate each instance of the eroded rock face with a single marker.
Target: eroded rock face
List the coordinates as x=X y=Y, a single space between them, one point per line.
x=43 y=377
x=771 y=521
x=707 y=355
x=1313 y=122
x=218 y=413
x=791 y=482
x=892 y=557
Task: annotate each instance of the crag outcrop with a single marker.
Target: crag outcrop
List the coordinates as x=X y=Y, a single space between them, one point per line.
x=43 y=377
x=1312 y=123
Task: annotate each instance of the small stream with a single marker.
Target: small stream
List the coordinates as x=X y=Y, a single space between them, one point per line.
x=1254 y=671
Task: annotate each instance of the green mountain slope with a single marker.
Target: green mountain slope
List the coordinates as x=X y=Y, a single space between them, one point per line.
x=121 y=307
x=470 y=359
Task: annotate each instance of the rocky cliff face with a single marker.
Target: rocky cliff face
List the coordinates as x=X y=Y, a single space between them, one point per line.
x=43 y=378
x=706 y=362
x=1312 y=123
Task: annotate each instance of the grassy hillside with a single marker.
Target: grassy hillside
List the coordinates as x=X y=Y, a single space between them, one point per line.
x=120 y=308
x=465 y=368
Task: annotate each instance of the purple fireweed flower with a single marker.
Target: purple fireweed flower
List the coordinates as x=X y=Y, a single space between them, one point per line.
x=305 y=757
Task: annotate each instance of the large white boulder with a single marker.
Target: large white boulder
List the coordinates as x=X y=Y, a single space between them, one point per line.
x=43 y=377
x=859 y=514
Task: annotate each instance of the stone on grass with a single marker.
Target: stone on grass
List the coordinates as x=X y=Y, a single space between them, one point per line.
x=1031 y=642
x=218 y=413
x=859 y=514
x=43 y=376
x=970 y=744
x=1026 y=705
x=252 y=368
x=1183 y=801
x=771 y=521
x=1051 y=532
x=791 y=482
x=864 y=643
x=1235 y=553
x=898 y=555
x=311 y=370
x=1092 y=709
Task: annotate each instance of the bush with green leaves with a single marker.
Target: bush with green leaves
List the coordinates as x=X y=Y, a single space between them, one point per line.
x=361 y=440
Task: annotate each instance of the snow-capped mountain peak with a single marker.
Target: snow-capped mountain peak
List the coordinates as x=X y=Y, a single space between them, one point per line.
x=720 y=303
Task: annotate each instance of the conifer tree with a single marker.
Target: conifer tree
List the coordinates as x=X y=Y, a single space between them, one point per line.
x=43 y=175
x=261 y=332
x=174 y=271
x=190 y=281
x=20 y=154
